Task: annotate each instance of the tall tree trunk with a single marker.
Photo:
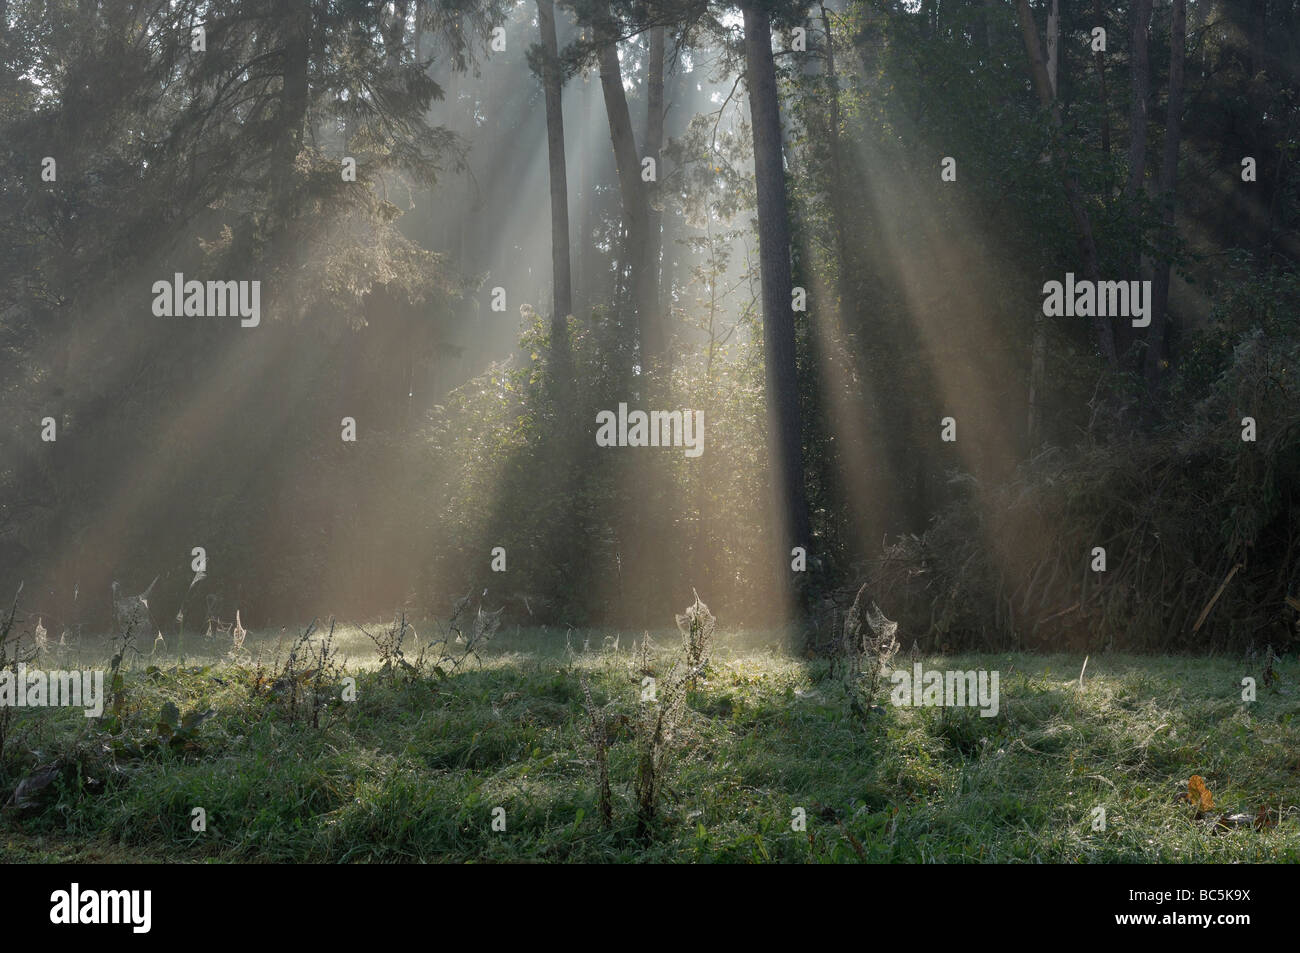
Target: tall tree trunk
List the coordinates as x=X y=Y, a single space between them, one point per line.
x=560 y=267
x=1255 y=35
x=654 y=143
x=293 y=93
x=774 y=263
x=394 y=32
x=584 y=277
x=1138 y=129
x=1137 y=148
x=675 y=270
x=417 y=42
x=643 y=537
x=1168 y=190
x=1038 y=348
x=1037 y=372
x=296 y=27
x=1053 y=42
x=644 y=292
x=848 y=271
x=1100 y=58
x=1074 y=195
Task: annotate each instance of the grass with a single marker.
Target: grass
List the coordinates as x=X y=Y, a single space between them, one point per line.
x=413 y=768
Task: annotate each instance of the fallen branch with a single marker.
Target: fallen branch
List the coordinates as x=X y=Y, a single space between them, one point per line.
x=1210 y=605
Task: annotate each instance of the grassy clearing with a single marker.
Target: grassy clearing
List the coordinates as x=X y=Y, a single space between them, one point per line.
x=412 y=769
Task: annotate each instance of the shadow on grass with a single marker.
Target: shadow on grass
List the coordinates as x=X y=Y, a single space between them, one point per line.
x=771 y=764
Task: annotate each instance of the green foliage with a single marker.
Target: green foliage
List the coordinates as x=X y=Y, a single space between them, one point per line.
x=412 y=770
x=181 y=732
x=506 y=466
x=924 y=301
x=1176 y=509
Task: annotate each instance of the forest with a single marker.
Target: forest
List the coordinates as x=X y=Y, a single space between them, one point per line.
x=483 y=366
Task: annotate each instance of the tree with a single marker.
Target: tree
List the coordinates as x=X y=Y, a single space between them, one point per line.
x=1155 y=357
x=1137 y=150
x=786 y=429
x=1099 y=17
x=849 y=271
x=635 y=198
x=1045 y=88
x=296 y=26
x=225 y=164
x=654 y=141
x=552 y=83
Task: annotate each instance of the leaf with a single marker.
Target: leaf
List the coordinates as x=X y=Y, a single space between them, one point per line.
x=1198 y=795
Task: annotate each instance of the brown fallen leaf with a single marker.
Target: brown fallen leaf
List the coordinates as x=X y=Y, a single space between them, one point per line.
x=1198 y=795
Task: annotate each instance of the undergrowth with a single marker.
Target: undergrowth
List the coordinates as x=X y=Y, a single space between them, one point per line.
x=413 y=768
x=1200 y=531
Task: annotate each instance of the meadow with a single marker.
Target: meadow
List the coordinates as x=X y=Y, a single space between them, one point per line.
x=769 y=758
